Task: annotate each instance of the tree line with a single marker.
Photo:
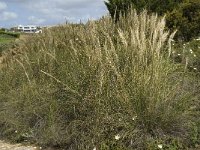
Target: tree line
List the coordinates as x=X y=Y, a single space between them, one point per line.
x=183 y=15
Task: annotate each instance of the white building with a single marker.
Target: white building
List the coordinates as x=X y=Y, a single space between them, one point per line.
x=28 y=29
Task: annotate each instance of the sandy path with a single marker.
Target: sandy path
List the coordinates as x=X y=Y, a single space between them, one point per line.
x=7 y=146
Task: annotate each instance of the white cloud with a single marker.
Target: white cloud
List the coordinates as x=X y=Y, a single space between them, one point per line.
x=5 y=16
x=35 y=20
x=3 y=6
x=56 y=11
x=74 y=10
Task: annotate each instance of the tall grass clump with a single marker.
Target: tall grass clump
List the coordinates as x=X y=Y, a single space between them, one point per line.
x=101 y=85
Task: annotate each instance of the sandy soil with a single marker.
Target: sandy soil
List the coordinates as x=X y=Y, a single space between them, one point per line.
x=7 y=146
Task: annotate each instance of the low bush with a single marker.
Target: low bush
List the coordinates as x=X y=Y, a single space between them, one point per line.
x=101 y=85
x=10 y=34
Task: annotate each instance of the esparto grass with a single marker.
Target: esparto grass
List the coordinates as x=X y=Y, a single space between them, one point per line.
x=81 y=86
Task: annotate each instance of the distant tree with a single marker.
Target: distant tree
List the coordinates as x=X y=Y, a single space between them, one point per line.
x=163 y=6
x=160 y=6
x=115 y=7
x=3 y=29
x=185 y=18
x=183 y=15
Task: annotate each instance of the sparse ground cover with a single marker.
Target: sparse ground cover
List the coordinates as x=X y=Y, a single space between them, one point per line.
x=188 y=52
x=104 y=86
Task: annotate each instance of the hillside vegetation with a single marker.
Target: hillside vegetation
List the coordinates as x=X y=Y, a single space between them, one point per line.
x=7 y=40
x=103 y=85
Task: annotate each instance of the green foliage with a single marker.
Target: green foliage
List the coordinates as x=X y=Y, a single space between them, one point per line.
x=115 y=88
x=161 y=7
x=185 y=18
x=2 y=29
x=11 y=34
x=116 y=7
x=181 y=14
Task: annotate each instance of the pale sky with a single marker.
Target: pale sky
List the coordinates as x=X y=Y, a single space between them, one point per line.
x=49 y=12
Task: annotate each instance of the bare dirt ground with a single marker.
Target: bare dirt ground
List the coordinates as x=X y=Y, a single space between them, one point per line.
x=8 y=146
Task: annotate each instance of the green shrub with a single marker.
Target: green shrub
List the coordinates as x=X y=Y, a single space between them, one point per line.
x=185 y=18
x=102 y=85
x=10 y=34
